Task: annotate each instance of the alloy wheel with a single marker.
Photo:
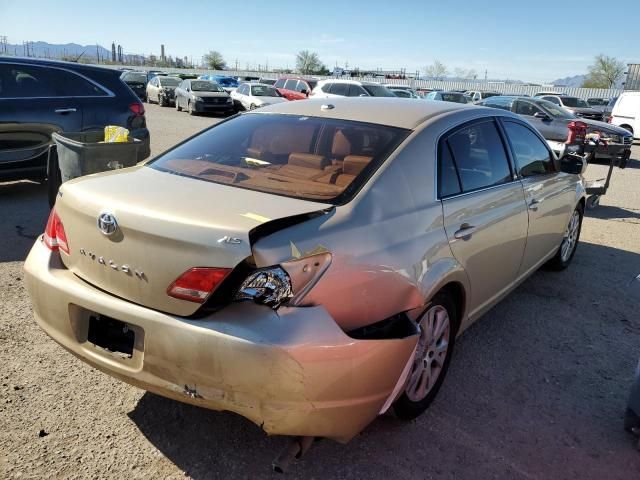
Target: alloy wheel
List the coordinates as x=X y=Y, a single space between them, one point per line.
x=431 y=353
x=570 y=239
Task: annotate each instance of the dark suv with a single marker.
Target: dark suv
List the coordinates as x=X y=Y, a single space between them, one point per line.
x=39 y=97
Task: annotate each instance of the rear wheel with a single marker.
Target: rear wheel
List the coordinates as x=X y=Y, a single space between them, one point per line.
x=438 y=327
x=569 y=242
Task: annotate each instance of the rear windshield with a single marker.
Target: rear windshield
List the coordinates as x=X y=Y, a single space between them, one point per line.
x=454 y=97
x=205 y=86
x=319 y=159
x=574 y=102
x=169 y=81
x=135 y=77
x=264 y=91
x=378 y=91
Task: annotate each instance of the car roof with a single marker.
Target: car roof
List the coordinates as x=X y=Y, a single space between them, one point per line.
x=59 y=63
x=356 y=82
x=394 y=112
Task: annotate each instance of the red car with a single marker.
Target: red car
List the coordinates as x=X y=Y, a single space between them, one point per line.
x=295 y=88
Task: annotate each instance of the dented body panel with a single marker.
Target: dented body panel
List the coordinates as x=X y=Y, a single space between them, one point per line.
x=293 y=372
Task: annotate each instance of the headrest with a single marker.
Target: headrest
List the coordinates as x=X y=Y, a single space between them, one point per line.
x=341 y=145
x=308 y=160
x=354 y=164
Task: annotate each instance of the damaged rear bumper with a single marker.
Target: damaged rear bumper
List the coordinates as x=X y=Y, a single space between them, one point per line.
x=294 y=371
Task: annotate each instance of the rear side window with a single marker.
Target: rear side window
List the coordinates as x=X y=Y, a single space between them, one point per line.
x=311 y=158
x=291 y=84
x=356 y=91
x=447 y=173
x=479 y=156
x=499 y=102
x=326 y=88
x=524 y=107
x=340 y=89
x=25 y=81
x=280 y=83
x=531 y=154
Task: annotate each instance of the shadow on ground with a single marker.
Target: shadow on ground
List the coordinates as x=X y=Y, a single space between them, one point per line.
x=537 y=389
x=24 y=210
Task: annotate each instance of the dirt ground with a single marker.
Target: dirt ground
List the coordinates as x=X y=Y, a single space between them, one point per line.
x=536 y=390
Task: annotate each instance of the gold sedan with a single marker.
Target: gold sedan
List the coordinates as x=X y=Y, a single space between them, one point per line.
x=307 y=265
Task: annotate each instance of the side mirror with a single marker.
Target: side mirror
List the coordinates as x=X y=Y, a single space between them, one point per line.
x=304 y=92
x=572 y=163
x=541 y=116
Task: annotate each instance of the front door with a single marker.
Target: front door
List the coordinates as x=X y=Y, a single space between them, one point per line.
x=550 y=195
x=485 y=215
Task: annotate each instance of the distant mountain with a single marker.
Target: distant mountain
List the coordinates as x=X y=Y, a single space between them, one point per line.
x=57 y=51
x=575 y=81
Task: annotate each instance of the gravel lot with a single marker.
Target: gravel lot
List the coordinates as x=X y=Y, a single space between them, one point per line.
x=537 y=388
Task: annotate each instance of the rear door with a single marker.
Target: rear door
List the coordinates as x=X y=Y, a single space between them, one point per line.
x=31 y=107
x=485 y=215
x=550 y=195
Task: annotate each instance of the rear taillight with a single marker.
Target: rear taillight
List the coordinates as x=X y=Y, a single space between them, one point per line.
x=55 y=237
x=137 y=108
x=196 y=284
x=577 y=132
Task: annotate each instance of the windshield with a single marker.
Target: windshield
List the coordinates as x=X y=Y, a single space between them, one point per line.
x=489 y=94
x=135 y=77
x=574 y=102
x=378 y=91
x=286 y=155
x=454 y=97
x=227 y=82
x=205 y=86
x=554 y=110
x=169 y=81
x=264 y=91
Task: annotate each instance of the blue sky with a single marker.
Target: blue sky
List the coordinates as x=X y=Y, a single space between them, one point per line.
x=537 y=40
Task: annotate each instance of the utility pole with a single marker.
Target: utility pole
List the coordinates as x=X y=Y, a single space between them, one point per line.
x=485 y=74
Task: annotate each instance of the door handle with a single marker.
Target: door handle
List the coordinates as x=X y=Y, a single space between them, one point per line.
x=534 y=204
x=65 y=110
x=465 y=232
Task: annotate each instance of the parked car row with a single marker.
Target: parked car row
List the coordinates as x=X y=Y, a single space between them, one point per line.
x=552 y=121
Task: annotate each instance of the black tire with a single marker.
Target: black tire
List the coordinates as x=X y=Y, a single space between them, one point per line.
x=408 y=409
x=558 y=262
x=178 y=107
x=631 y=421
x=252 y=107
x=54 y=178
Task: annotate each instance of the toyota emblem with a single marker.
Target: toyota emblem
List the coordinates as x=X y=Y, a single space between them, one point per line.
x=107 y=223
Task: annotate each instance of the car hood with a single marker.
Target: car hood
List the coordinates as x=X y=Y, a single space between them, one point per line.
x=583 y=110
x=606 y=127
x=166 y=225
x=210 y=94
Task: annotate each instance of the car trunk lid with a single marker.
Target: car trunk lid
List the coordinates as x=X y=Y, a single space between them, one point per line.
x=166 y=225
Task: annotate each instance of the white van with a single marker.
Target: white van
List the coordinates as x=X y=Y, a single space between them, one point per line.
x=626 y=112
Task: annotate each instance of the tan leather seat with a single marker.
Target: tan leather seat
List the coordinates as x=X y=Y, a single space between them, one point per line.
x=308 y=160
x=354 y=164
x=340 y=148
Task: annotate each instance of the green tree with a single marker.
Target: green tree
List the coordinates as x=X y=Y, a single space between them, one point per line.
x=605 y=72
x=214 y=60
x=308 y=62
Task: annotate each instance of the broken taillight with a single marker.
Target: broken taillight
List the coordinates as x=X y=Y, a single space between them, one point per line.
x=196 y=284
x=55 y=237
